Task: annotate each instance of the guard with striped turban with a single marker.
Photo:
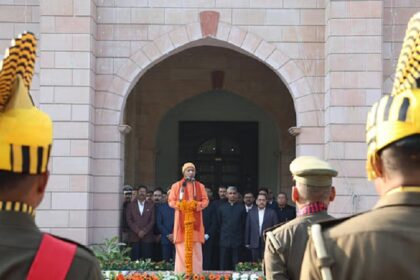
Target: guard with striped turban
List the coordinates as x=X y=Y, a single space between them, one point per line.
x=25 y=145
x=384 y=242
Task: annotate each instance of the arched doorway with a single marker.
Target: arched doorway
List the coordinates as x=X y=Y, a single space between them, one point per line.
x=224 y=152
x=230 y=147
x=179 y=89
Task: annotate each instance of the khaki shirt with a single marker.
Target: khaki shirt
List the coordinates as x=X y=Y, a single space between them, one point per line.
x=19 y=242
x=383 y=243
x=291 y=237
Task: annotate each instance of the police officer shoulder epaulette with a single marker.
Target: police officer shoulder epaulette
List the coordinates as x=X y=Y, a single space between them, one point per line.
x=268 y=234
x=271 y=229
x=81 y=246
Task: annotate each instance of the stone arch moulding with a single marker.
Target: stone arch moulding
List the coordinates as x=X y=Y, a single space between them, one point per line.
x=207 y=32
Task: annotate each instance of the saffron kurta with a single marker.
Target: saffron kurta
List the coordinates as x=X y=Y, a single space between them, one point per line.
x=202 y=203
x=189 y=192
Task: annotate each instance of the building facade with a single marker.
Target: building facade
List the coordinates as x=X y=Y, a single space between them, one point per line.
x=132 y=84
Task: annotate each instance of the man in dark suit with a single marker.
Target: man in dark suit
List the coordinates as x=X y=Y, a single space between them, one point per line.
x=141 y=219
x=271 y=202
x=269 y=194
x=249 y=203
x=157 y=200
x=285 y=212
x=222 y=197
x=221 y=191
x=258 y=219
x=249 y=200
x=128 y=192
x=210 y=224
x=231 y=218
x=165 y=223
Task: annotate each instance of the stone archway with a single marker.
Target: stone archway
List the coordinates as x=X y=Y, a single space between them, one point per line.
x=199 y=34
x=209 y=31
x=109 y=113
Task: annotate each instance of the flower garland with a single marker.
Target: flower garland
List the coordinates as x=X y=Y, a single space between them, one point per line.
x=202 y=276
x=188 y=208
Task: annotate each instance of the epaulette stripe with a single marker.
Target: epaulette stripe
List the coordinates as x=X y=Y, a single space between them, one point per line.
x=8 y=206
x=402 y=115
x=25 y=159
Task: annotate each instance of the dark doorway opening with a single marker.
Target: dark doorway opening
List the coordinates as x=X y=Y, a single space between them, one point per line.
x=225 y=153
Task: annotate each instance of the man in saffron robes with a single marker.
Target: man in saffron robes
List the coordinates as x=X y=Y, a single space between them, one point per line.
x=188 y=189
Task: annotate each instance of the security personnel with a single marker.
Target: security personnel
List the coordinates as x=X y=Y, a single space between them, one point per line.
x=384 y=242
x=285 y=243
x=25 y=144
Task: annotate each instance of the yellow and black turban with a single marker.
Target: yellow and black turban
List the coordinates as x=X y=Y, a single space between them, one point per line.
x=25 y=131
x=397 y=116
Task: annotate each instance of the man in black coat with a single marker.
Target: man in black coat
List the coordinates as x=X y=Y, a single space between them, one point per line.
x=165 y=223
x=128 y=192
x=231 y=218
x=285 y=212
x=221 y=191
x=258 y=219
x=157 y=200
x=210 y=225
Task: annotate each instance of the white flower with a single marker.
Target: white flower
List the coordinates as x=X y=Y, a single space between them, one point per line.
x=244 y=276
x=235 y=276
x=254 y=276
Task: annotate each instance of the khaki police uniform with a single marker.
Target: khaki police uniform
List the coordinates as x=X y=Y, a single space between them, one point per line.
x=286 y=243
x=380 y=244
x=25 y=145
x=383 y=243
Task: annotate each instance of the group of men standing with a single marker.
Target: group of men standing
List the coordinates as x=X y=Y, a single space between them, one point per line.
x=147 y=224
x=233 y=227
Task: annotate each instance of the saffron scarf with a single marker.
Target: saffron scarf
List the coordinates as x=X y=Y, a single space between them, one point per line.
x=198 y=198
